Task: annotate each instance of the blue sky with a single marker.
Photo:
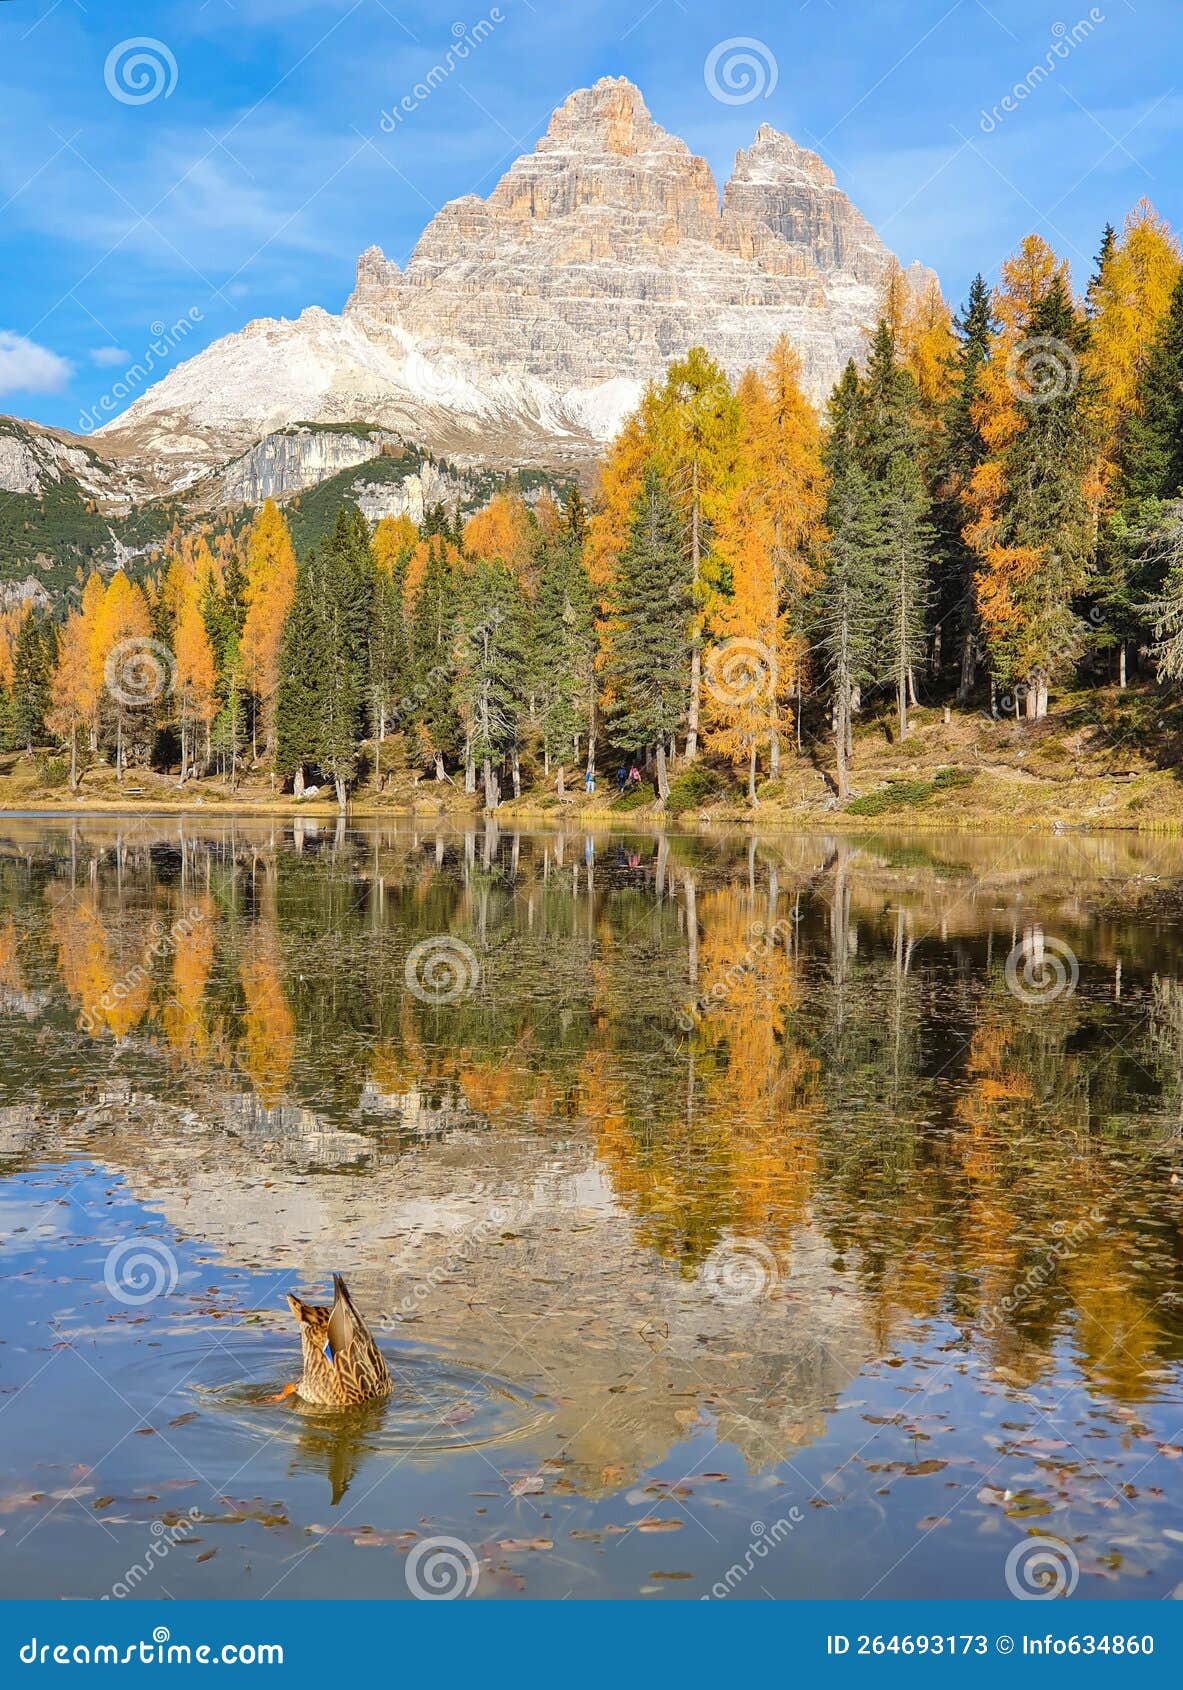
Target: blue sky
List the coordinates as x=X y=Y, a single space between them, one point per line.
x=260 y=170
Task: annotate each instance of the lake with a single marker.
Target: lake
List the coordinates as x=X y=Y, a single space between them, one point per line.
x=740 y=1217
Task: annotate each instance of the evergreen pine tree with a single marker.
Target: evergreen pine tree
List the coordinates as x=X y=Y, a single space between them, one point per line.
x=34 y=654
x=431 y=641
x=962 y=450
x=490 y=671
x=563 y=640
x=890 y=446
x=1151 y=462
x=303 y=660
x=1049 y=516
x=1102 y=260
x=649 y=649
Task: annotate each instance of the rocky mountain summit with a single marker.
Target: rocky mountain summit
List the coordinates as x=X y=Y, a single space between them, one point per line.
x=525 y=324
x=519 y=335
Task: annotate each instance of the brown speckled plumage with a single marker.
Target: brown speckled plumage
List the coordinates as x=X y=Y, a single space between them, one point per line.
x=342 y=1364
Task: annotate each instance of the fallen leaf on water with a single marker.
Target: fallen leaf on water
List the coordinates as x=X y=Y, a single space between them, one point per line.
x=531 y=1485
x=513 y=1544
x=1026 y=1505
x=651 y=1524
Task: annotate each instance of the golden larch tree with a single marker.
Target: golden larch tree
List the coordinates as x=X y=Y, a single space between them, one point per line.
x=269 y=591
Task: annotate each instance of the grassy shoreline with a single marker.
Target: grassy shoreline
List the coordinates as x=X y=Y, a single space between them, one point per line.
x=1112 y=763
x=1093 y=805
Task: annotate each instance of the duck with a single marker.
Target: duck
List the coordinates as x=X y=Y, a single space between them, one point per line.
x=343 y=1366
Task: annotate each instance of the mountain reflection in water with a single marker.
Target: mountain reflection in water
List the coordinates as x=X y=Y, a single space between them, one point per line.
x=700 y=1178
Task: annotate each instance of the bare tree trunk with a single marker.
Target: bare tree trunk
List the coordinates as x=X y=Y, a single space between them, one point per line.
x=492 y=789
x=1121 y=668
x=341 y=796
x=965 y=684
x=439 y=765
x=663 y=784
x=298 y=781
x=841 y=741
x=752 y=799
x=516 y=771
x=560 y=784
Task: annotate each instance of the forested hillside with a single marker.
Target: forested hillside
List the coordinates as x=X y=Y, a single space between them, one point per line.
x=987 y=515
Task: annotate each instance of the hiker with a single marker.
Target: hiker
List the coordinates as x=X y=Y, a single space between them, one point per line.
x=589 y=782
x=621 y=779
x=634 y=776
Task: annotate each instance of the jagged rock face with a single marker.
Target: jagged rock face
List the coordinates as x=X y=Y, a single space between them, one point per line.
x=604 y=253
x=525 y=324
x=295 y=459
x=793 y=193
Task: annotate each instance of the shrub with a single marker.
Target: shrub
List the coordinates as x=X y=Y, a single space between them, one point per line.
x=694 y=787
x=636 y=799
x=908 y=794
x=53 y=771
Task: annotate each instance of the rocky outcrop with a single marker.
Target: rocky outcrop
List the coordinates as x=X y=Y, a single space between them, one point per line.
x=296 y=458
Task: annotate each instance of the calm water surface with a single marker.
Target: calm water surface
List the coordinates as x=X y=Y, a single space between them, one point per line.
x=778 y=1218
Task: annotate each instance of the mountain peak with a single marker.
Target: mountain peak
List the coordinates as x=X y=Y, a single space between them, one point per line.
x=609 y=117
x=525 y=324
x=773 y=155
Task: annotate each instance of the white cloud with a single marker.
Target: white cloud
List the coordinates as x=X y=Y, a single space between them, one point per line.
x=109 y=355
x=26 y=367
